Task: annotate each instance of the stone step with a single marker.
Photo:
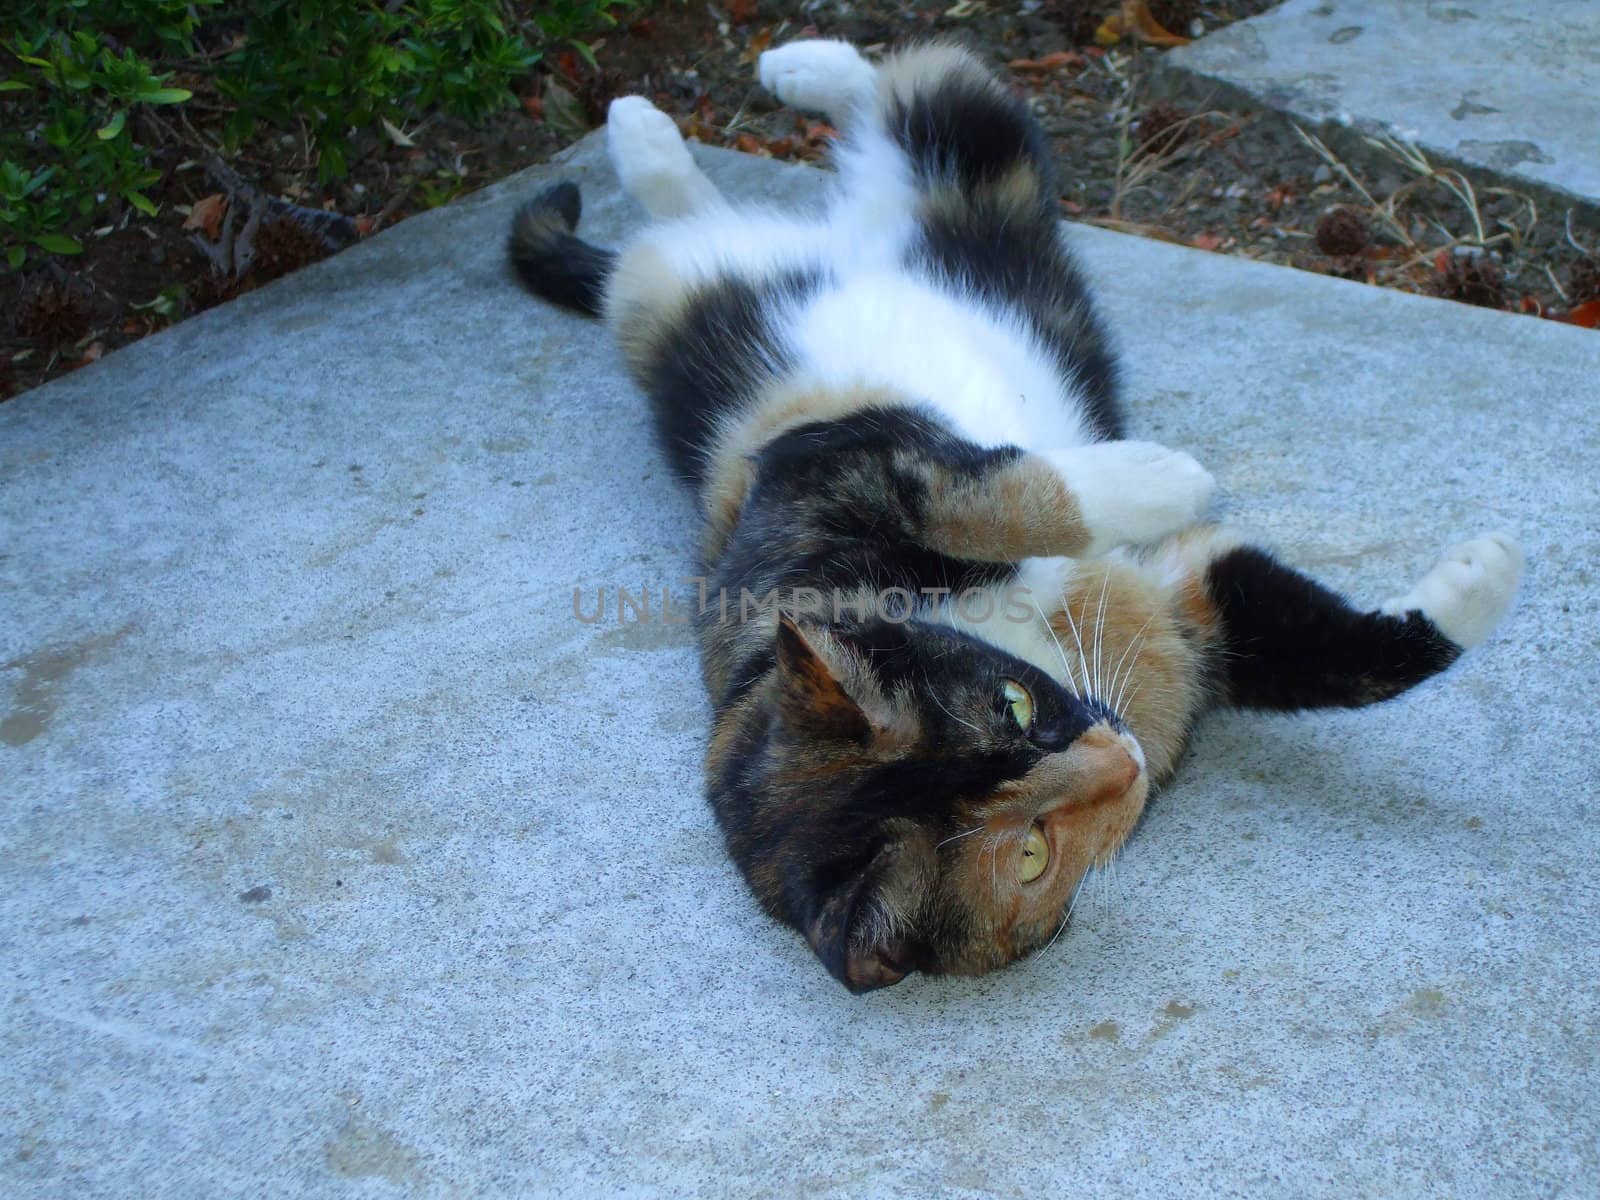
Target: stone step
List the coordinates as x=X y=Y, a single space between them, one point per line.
x=335 y=851
x=1509 y=89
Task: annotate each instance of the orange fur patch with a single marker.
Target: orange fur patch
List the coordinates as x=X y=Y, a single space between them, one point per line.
x=1021 y=510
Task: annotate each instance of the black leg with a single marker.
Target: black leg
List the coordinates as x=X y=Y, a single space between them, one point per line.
x=1286 y=642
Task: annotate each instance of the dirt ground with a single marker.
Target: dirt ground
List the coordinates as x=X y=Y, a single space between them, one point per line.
x=1233 y=182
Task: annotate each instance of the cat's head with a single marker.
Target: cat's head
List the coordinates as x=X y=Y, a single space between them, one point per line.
x=920 y=800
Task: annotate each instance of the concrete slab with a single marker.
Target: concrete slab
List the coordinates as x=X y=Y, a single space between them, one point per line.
x=1509 y=87
x=338 y=857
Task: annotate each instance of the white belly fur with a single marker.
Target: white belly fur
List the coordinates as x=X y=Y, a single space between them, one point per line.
x=980 y=368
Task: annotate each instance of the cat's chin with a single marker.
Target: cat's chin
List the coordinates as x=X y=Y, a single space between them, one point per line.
x=1135 y=749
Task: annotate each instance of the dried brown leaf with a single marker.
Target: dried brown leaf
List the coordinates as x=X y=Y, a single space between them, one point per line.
x=1050 y=62
x=1135 y=19
x=1586 y=316
x=758 y=44
x=206 y=215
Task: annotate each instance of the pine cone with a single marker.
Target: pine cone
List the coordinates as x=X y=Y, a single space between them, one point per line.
x=1162 y=126
x=1470 y=279
x=52 y=315
x=1343 y=232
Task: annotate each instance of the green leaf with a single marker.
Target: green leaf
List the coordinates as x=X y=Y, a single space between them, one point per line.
x=38 y=181
x=169 y=303
x=35 y=62
x=13 y=85
x=16 y=256
x=141 y=202
x=112 y=127
x=57 y=243
x=166 y=96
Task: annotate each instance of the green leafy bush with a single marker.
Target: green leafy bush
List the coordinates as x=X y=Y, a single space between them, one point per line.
x=56 y=176
x=81 y=70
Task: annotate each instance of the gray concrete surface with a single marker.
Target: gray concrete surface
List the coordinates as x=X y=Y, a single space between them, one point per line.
x=338 y=858
x=1511 y=87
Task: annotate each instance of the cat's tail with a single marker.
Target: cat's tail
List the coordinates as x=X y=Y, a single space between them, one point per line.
x=551 y=259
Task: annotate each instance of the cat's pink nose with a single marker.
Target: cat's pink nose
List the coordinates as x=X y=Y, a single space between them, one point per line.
x=1126 y=773
x=1109 y=766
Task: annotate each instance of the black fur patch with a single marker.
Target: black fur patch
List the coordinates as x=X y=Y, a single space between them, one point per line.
x=835 y=506
x=729 y=341
x=968 y=131
x=1290 y=643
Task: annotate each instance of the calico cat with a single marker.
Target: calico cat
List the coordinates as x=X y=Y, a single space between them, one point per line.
x=975 y=624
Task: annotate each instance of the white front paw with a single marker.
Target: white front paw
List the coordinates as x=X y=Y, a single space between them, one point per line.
x=1468 y=590
x=643 y=141
x=817 y=76
x=652 y=161
x=1130 y=493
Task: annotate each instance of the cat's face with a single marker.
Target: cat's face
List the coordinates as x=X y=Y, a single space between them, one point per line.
x=927 y=802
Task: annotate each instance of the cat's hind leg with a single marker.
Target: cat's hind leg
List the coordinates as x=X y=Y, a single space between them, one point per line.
x=931 y=131
x=653 y=162
x=819 y=75
x=971 y=146
x=1283 y=641
x=953 y=172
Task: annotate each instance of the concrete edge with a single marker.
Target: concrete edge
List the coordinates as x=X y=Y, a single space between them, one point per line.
x=1174 y=81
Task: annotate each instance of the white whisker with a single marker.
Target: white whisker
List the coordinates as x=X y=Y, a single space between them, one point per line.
x=1059 y=928
x=1099 y=629
x=956 y=837
x=1066 y=608
x=958 y=720
x=994 y=863
x=1132 y=695
x=1077 y=893
x=1060 y=650
x=1120 y=685
x=1133 y=642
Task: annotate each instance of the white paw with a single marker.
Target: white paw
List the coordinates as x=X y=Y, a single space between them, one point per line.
x=1131 y=493
x=818 y=76
x=1468 y=590
x=643 y=141
x=651 y=159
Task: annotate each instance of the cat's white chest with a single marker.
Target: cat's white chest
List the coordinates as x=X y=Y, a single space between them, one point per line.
x=979 y=368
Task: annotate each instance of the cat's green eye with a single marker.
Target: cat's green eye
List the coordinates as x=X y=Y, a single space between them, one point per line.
x=1019 y=703
x=1035 y=856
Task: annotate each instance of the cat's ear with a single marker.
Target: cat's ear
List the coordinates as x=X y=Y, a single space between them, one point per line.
x=810 y=696
x=860 y=930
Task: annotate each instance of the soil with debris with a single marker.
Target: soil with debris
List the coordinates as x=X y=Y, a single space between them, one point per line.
x=1233 y=182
